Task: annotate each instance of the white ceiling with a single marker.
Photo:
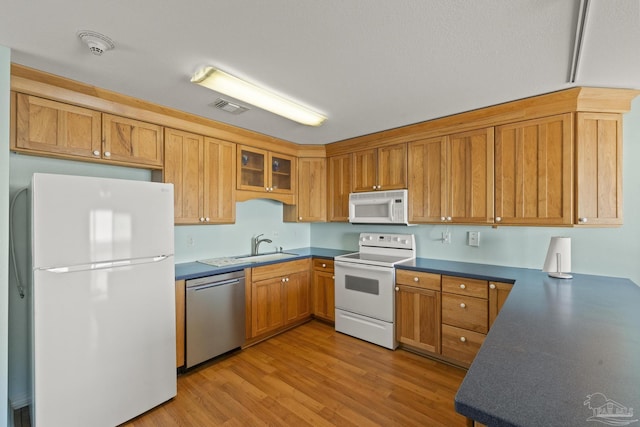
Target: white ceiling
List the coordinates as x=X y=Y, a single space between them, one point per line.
x=369 y=65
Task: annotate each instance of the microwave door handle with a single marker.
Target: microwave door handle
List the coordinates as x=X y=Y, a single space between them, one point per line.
x=391 y=210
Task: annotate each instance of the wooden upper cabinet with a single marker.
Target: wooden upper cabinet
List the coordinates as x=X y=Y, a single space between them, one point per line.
x=184 y=169
x=219 y=181
x=132 y=141
x=598 y=169
x=311 y=204
x=471 y=177
x=202 y=171
x=262 y=173
x=451 y=178
x=533 y=169
x=53 y=127
x=382 y=168
x=428 y=180
x=339 y=187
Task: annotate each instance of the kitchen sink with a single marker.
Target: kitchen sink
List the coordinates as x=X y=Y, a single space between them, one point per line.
x=266 y=257
x=249 y=259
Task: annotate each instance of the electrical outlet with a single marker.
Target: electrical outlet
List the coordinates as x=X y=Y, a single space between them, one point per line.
x=190 y=241
x=446 y=237
x=473 y=238
x=275 y=234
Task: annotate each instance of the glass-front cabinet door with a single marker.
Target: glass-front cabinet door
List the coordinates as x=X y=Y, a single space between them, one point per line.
x=252 y=166
x=263 y=171
x=281 y=173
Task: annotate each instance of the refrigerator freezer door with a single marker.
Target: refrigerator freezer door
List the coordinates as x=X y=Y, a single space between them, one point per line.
x=80 y=220
x=103 y=343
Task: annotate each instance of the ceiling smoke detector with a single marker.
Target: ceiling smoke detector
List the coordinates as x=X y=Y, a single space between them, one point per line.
x=98 y=43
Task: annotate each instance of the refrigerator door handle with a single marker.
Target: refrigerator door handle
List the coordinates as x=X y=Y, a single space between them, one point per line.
x=105 y=264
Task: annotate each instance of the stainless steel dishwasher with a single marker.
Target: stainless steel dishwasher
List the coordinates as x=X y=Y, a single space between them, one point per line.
x=215 y=316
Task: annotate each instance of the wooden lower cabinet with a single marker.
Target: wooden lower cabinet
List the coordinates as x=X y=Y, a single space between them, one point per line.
x=280 y=296
x=446 y=316
x=180 y=322
x=324 y=289
x=418 y=308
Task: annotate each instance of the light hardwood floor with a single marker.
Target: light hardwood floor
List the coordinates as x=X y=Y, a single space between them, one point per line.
x=312 y=375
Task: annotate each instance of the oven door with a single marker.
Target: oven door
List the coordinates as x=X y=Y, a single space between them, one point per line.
x=365 y=289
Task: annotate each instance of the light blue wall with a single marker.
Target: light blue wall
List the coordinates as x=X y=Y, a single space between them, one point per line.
x=5 y=73
x=602 y=251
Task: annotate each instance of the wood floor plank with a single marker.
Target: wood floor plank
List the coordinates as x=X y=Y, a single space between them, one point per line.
x=312 y=375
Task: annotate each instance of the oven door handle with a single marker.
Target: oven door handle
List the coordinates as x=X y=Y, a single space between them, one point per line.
x=358 y=266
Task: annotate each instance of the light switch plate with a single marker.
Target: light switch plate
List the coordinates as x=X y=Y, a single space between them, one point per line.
x=473 y=238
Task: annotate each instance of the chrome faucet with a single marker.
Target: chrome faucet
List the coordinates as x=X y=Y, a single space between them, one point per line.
x=255 y=243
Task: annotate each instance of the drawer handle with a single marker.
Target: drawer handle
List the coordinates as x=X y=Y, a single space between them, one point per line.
x=397 y=289
x=463 y=305
x=463 y=339
x=324 y=265
x=416 y=279
x=492 y=286
x=463 y=286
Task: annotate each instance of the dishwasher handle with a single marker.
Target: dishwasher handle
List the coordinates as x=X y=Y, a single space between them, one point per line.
x=214 y=284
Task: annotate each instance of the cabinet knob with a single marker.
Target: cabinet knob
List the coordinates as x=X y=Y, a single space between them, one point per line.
x=201 y=219
x=492 y=286
x=379 y=187
x=449 y=218
x=299 y=218
x=416 y=279
x=96 y=153
x=397 y=289
x=286 y=279
x=374 y=187
x=107 y=154
x=266 y=188
x=583 y=220
x=463 y=286
x=498 y=218
x=443 y=218
x=206 y=219
x=463 y=305
x=333 y=277
x=463 y=339
x=324 y=265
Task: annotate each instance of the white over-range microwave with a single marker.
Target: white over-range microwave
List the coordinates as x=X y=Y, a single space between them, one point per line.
x=379 y=207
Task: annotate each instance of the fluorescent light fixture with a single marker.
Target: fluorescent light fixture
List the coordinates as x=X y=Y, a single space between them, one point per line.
x=558 y=261
x=222 y=82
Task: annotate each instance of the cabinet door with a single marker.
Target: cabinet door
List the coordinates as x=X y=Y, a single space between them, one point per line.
x=324 y=295
x=470 y=184
x=54 y=127
x=180 y=322
x=418 y=318
x=311 y=204
x=533 y=162
x=132 y=141
x=427 y=180
x=498 y=293
x=267 y=312
x=252 y=169
x=599 y=169
x=219 y=184
x=392 y=167
x=339 y=187
x=183 y=168
x=364 y=169
x=282 y=173
x=297 y=294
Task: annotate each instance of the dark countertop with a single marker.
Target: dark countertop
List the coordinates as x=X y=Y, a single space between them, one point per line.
x=554 y=343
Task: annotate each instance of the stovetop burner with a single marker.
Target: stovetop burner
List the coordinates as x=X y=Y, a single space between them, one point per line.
x=382 y=249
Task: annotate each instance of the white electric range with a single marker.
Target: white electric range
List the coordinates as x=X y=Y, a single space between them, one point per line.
x=365 y=286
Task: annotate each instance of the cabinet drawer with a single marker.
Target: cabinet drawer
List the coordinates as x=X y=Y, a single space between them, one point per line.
x=460 y=344
x=465 y=312
x=463 y=286
x=418 y=279
x=279 y=269
x=323 y=264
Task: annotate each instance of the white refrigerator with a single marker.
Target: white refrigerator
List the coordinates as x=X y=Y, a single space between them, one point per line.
x=103 y=299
